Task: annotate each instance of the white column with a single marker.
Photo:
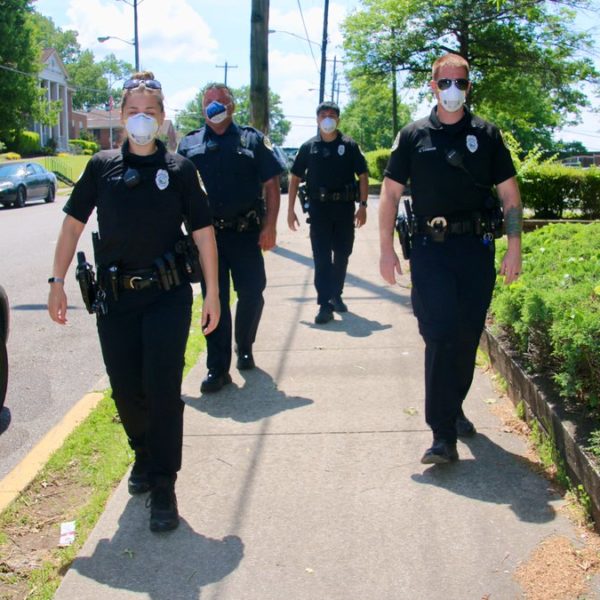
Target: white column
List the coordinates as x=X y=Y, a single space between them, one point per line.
x=65 y=116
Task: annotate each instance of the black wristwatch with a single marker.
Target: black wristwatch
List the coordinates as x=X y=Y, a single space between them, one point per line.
x=56 y=280
x=363 y=203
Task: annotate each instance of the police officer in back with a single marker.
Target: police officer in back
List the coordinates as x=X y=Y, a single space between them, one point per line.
x=237 y=165
x=142 y=194
x=330 y=162
x=453 y=159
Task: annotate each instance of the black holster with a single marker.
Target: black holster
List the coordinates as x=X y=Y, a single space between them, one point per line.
x=405 y=229
x=93 y=295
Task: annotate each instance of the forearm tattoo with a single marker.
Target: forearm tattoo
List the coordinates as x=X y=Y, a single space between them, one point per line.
x=513 y=221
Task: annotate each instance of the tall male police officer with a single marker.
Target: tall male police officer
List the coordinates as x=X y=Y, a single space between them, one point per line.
x=330 y=161
x=452 y=159
x=236 y=163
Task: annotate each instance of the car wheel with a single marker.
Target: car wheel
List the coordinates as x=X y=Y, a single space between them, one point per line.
x=51 y=194
x=3 y=372
x=21 y=196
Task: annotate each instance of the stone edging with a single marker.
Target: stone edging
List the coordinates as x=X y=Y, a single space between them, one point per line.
x=540 y=403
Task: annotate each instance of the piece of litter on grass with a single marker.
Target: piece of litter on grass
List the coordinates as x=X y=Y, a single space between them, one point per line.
x=67 y=533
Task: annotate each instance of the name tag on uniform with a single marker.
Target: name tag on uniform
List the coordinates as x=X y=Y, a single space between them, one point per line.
x=430 y=149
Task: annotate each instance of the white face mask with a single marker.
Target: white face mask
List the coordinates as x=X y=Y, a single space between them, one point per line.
x=452 y=99
x=141 y=128
x=328 y=125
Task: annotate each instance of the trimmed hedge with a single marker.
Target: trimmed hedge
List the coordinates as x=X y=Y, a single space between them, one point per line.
x=27 y=143
x=552 y=314
x=83 y=145
x=551 y=188
x=377 y=161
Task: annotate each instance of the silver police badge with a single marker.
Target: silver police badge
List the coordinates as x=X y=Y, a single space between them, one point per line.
x=341 y=149
x=162 y=179
x=472 y=144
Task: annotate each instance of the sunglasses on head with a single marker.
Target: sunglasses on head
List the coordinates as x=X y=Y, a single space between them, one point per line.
x=131 y=84
x=461 y=84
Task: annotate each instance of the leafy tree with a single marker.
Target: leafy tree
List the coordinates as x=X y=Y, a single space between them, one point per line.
x=525 y=56
x=192 y=117
x=366 y=117
x=19 y=59
x=48 y=35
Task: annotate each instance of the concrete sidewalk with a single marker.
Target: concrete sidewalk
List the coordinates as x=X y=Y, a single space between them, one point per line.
x=302 y=480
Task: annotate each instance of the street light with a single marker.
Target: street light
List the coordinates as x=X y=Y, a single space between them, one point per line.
x=104 y=38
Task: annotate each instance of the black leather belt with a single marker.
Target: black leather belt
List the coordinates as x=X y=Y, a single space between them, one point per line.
x=139 y=280
x=441 y=224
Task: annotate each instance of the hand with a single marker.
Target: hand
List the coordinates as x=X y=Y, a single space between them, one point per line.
x=511 y=265
x=389 y=265
x=292 y=220
x=360 y=217
x=268 y=238
x=57 y=303
x=211 y=313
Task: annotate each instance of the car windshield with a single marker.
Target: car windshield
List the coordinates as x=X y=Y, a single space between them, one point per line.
x=6 y=170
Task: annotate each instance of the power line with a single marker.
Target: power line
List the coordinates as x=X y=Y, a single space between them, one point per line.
x=306 y=34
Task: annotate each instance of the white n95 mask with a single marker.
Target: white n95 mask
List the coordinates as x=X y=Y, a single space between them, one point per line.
x=452 y=99
x=141 y=128
x=328 y=125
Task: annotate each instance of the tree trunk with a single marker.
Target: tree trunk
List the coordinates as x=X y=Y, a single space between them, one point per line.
x=259 y=65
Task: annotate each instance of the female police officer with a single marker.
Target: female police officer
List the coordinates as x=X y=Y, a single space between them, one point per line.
x=142 y=194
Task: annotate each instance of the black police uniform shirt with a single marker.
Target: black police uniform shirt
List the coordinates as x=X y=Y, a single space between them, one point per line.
x=233 y=167
x=141 y=223
x=331 y=165
x=419 y=154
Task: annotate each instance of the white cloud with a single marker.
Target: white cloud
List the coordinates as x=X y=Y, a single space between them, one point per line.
x=168 y=32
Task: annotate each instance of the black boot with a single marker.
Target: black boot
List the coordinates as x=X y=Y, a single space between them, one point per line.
x=163 y=506
x=138 y=478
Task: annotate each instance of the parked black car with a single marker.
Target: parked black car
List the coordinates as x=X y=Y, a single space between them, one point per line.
x=284 y=176
x=4 y=317
x=23 y=181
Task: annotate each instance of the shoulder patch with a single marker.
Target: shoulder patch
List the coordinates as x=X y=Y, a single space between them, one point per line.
x=267 y=143
x=396 y=142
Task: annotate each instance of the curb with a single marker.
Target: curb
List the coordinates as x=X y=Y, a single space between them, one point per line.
x=542 y=404
x=25 y=472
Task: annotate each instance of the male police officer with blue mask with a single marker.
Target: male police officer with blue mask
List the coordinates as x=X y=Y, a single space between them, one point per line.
x=241 y=175
x=453 y=159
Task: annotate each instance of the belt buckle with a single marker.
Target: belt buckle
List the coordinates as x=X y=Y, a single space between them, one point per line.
x=437 y=223
x=132 y=281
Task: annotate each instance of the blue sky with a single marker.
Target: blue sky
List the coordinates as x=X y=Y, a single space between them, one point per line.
x=184 y=41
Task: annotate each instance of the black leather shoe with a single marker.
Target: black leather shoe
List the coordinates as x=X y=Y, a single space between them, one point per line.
x=440 y=453
x=338 y=305
x=324 y=315
x=214 y=381
x=163 y=508
x=464 y=427
x=245 y=361
x=139 y=482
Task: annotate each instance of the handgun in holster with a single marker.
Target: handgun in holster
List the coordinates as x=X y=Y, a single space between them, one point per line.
x=303 y=197
x=93 y=296
x=404 y=227
x=188 y=257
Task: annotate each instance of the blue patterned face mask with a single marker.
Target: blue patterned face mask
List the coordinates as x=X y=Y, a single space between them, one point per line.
x=216 y=112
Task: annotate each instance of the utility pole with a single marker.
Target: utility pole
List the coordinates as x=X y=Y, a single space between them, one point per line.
x=324 y=53
x=136 y=43
x=226 y=67
x=333 y=79
x=259 y=65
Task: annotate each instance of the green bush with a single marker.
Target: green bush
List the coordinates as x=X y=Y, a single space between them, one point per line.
x=84 y=145
x=377 y=161
x=552 y=314
x=27 y=143
x=2 y=147
x=87 y=152
x=12 y=156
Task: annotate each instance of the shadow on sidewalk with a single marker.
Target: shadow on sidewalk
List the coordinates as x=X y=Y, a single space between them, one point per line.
x=257 y=399
x=495 y=475
x=174 y=565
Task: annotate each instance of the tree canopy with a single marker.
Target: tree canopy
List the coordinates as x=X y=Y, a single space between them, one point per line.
x=192 y=117
x=527 y=61
x=19 y=60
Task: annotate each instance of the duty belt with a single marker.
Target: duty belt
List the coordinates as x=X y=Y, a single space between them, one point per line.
x=248 y=222
x=440 y=227
x=343 y=196
x=139 y=280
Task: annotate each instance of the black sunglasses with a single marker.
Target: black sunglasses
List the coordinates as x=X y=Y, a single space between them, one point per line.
x=131 y=84
x=461 y=84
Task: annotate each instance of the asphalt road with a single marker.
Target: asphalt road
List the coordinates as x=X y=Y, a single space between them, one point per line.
x=50 y=367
